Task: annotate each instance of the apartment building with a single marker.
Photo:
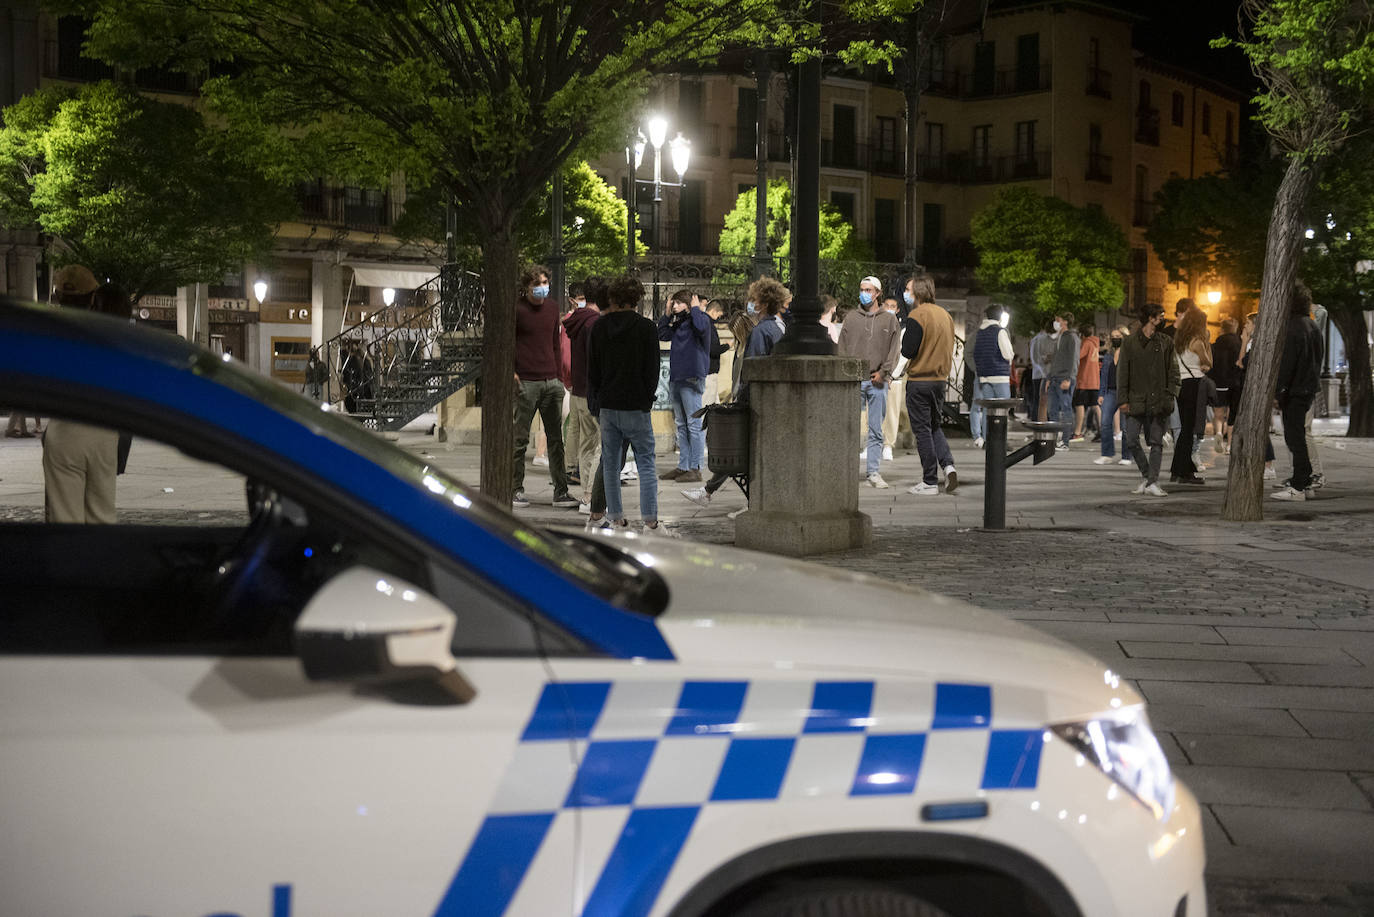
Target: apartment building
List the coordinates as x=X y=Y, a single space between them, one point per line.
x=1048 y=95
x=327 y=270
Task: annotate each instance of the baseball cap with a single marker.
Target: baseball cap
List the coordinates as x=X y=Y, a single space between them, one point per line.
x=875 y=281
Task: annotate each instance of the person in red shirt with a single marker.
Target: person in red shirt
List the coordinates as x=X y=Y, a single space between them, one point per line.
x=537 y=353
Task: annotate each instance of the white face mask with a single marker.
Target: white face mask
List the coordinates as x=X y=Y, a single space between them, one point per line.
x=1058 y=326
x=580 y=303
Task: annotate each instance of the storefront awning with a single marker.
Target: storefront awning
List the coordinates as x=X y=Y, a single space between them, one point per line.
x=396 y=276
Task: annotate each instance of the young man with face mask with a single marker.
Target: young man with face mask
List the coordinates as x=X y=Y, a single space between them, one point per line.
x=871 y=334
x=1106 y=399
x=892 y=417
x=1063 y=375
x=537 y=352
x=1147 y=383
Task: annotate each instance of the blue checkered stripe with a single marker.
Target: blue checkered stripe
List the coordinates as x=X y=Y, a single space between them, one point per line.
x=663 y=750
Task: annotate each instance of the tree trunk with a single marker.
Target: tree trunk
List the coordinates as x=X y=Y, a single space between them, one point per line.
x=1245 y=478
x=500 y=273
x=1359 y=383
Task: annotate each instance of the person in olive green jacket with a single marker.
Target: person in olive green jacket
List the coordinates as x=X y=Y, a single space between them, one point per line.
x=1147 y=382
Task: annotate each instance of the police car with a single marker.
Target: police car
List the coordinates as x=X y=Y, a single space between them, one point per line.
x=381 y=695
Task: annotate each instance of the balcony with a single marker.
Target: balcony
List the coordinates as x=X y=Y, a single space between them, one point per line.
x=942 y=83
x=1142 y=213
x=742 y=145
x=1004 y=81
x=962 y=168
x=1099 y=82
x=362 y=209
x=1099 y=168
x=1147 y=126
x=705 y=139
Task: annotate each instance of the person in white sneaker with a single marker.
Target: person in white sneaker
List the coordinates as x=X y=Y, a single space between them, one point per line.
x=928 y=345
x=1147 y=382
x=1106 y=398
x=992 y=355
x=1298 y=383
x=892 y=416
x=871 y=334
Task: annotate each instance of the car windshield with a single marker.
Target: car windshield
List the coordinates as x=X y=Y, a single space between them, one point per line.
x=590 y=568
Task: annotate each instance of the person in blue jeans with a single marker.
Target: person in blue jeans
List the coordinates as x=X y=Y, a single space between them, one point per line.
x=688 y=327
x=1063 y=375
x=1108 y=401
x=992 y=355
x=622 y=377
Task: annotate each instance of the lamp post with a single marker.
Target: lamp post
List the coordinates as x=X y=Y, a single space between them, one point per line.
x=260 y=291
x=680 y=153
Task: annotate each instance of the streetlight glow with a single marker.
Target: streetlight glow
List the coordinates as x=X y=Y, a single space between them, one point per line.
x=681 y=149
x=1214 y=296
x=658 y=130
x=388 y=296
x=260 y=290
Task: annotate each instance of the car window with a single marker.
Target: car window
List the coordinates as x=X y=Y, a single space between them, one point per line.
x=199 y=558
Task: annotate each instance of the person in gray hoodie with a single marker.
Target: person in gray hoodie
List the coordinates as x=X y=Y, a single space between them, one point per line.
x=873 y=335
x=1063 y=374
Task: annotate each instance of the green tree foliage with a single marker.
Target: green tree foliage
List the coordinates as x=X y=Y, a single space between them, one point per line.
x=839 y=241
x=1315 y=61
x=140 y=191
x=1212 y=227
x=1048 y=256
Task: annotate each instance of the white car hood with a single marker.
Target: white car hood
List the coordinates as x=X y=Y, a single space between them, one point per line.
x=733 y=609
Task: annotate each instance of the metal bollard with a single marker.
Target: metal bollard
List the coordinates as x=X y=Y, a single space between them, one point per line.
x=997 y=460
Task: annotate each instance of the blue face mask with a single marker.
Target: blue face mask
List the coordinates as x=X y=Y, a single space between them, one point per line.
x=865 y=297
x=749 y=307
x=910 y=300
x=540 y=291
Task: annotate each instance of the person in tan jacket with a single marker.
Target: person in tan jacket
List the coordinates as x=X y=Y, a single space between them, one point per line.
x=928 y=345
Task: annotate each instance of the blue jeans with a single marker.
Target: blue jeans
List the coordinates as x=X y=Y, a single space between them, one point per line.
x=1108 y=414
x=616 y=428
x=976 y=414
x=925 y=403
x=875 y=399
x=1061 y=405
x=691 y=441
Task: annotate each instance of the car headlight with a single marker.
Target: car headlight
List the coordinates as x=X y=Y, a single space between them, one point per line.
x=1124 y=747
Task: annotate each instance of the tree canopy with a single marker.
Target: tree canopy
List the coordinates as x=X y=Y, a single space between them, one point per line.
x=839 y=241
x=1048 y=256
x=140 y=191
x=1212 y=227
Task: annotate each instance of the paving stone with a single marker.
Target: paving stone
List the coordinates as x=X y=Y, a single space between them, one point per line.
x=1265 y=786
x=1308 y=655
x=1236 y=897
x=1179 y=633
x=1337 y=835
x=1188 y=670
x=1336 y=676
x=1355 y=700
x=1261 y=636
x=1207 y=618
x=1278 y=751
x=1330 y=724
x=1249 y=721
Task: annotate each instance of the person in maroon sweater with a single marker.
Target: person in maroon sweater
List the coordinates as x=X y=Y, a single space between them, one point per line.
x=536 y=380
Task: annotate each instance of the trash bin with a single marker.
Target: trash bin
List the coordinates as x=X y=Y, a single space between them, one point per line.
x=727 y=438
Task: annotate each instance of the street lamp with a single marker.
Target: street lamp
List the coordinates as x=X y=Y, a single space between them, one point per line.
x=388 y=296
x=1214 y=296
x=260 y=290
x=680 y=154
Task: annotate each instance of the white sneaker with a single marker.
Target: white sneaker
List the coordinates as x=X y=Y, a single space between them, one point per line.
x=597 y=525
x=887 y=453
x=863 y=455
x=1270 y=474
x=876 y=480
x=660 y=530
x=1288 y=493
x=978 y=442
x=584 y=508
x=519 y=500
x=735 y=514
x=1140 y=488
x=1168 y=440
x=951 y=479
x=1155 y=490
x=542 y=460
x=1104 y=460
x=1124 y=462
x=629 y=472
x=1062 y=447
x=923 y=489
x=698 y=495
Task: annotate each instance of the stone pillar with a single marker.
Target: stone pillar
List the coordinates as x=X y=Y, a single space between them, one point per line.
x=326 y=300
x=19 y=270
x=804 y=481
x=193 y=313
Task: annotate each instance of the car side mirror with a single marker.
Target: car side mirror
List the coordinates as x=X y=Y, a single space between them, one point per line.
x=365 y=626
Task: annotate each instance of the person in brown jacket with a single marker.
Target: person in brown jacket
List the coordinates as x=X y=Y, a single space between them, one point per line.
x=928 y=345
x=871 y=334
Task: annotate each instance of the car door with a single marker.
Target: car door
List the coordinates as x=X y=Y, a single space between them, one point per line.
x=141 y=774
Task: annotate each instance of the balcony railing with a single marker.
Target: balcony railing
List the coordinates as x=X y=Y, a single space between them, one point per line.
x=742 y=145
x=1142 y=213
x=1004 y=81
x=942 y=82
x=352 y=208
x=1099 y=167
x=1147 y=126
x=963 y=168
x=1099 y=82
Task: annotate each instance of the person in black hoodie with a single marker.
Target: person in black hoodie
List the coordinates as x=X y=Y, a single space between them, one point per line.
x=622 y=378
x=1298 y=383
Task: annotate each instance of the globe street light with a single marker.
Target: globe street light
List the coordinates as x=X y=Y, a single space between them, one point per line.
x=388 y=296
x=680 y=154
x=260 y=291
